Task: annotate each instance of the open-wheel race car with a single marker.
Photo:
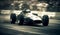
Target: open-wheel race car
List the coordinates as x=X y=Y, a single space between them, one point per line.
x=26 y=17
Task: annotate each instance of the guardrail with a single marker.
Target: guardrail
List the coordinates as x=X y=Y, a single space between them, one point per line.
x=55 y=15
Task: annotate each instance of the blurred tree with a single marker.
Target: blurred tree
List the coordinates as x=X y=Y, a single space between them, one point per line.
x=53 y=5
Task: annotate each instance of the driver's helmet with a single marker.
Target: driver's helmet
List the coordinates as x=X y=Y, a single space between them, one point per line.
x=26 y=10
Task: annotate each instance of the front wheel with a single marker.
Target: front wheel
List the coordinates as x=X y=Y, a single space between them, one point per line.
x=45 y=20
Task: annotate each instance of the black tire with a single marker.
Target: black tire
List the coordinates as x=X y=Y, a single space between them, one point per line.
x=45 y=20
x=21 y=19
x=13 y=18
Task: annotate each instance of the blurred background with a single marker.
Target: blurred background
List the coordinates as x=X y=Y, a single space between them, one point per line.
x=41 y=7
x=49 y=7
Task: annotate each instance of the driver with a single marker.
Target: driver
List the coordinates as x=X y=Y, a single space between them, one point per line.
x=22 y=15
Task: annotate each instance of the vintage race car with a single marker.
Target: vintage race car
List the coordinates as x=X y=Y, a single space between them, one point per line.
x=26 y=17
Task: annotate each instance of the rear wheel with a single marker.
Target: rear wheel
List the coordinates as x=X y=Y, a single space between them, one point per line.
x=21 y=20
x=45 y=20
x=13 y=18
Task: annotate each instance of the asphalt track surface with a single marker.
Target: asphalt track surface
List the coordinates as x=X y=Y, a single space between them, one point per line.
x=6 y=28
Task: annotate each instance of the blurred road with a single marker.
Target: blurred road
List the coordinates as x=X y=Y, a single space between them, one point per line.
x=14 y=29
